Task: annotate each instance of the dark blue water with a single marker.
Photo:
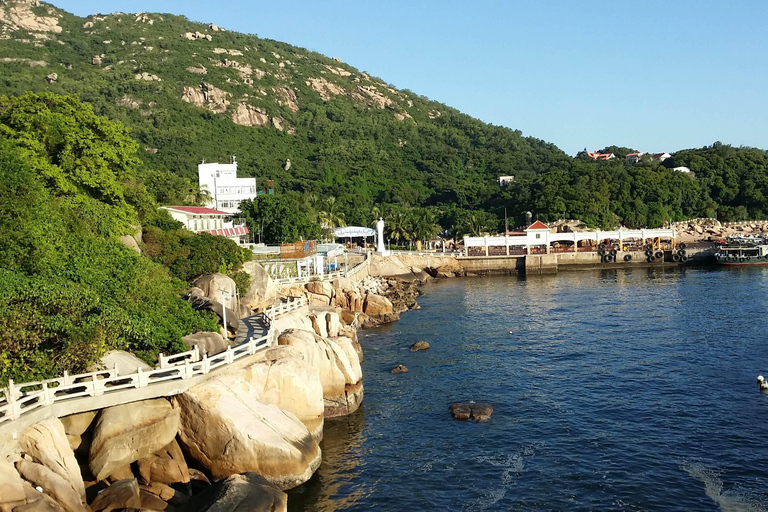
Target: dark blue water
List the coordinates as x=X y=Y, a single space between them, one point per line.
x=614 y=390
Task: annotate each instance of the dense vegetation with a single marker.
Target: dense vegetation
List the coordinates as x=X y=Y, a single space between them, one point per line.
x=349 y=136
x=69 y=289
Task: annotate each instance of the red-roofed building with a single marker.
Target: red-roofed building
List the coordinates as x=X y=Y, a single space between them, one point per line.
x=634 y=157
x=661 y=156
x=537 y=225
x=208 y=220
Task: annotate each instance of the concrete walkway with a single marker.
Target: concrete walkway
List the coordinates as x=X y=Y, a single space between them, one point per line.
x=251 y=327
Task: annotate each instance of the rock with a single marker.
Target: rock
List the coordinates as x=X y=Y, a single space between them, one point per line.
x=471 y=410
x=206 y=96
x=376 y=305
x=130 y=242
x=233 y=319
x=208 y=343
x=36 y=502
x=166 y=466
x=244 y=311
x=19 y=15
x=320 y=288
x=121 y=473
x=338 y=366
x=46 y=442
x=52 y=484
x=333 y=324
x=348 y=317
x=127 y=433
x=119 y=495
x=53 y=77
x=227 y=431
x=399 y=369
x=213 y=27
x=164 y=493
x=246 y=492
x=319 y=324
x=419 y=345
x=79 y=428
x=11 y=487
x=248 y=115
x=125 y=362
x=218 y=286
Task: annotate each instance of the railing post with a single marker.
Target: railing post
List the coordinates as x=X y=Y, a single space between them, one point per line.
x=162 y=360
x=96 y=390
x=47 y=397
x=67 y=382
x=140 y=378
x=197 y=353
x=12 y=395
x=187 y=372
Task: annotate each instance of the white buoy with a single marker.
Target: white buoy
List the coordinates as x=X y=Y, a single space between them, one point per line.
x=761 y=383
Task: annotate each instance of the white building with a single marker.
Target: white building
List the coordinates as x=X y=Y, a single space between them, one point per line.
x=505 y=180
x=226 y=189
x=207 y=220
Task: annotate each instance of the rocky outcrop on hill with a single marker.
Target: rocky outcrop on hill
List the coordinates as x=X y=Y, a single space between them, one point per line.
x=248 y=115
x=227 y=431
x=18 y=15
x=207 y=96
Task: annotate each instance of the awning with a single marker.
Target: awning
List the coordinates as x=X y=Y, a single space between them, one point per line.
x=354 y=232
x=228 y=232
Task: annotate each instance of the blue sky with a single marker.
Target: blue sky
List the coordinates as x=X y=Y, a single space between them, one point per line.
x=658 y=76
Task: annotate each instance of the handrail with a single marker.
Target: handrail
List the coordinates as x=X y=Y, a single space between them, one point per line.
x=324 y=277
x=19 y=399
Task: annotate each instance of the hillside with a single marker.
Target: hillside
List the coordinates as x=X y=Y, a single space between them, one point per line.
x=191 y=91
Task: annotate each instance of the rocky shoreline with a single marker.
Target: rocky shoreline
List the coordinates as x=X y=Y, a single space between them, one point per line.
x=238 y=439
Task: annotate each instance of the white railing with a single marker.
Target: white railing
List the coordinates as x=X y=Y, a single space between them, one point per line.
x=19 y=399
x=324 y=277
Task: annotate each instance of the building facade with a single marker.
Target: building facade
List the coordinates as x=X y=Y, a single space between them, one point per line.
x=226 y=189
x=207 y=220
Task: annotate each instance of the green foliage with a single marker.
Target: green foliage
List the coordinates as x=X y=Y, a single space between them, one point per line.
x=278 y=219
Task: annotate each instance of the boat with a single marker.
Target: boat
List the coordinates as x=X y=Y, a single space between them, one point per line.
x=743 y=250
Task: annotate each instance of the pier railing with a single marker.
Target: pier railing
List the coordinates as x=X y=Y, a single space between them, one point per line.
x=19 y=399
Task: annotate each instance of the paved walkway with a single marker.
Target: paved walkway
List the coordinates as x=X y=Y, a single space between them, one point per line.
x=251 y=327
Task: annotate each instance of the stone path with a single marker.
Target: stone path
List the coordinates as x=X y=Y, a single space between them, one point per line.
x=251 y=327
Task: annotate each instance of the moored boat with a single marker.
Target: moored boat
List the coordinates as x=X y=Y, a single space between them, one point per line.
x=743 y=250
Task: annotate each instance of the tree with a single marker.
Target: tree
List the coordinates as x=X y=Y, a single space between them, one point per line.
x=278 y=220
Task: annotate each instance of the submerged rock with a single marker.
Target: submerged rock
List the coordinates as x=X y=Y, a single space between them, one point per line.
x=471 y=411
x=399 y=369
x=248 y=491
x=419 y=345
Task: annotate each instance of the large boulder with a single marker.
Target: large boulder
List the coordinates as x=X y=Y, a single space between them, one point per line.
x=297 y=319
x=35 y=501
x=11 y=487
x=377 y=305
x=227 y=431
x=129 y=432
x=46 y=443
x=120 y=495
x=125 y=362
x=240 y=493
x=130 y=242
x=216 y=287
x=79 y=429
x=320 y=288
x=338 y=366
x=208 y=343
x=286 y=380
x=166 y=466
x=262 y=291
x=54 y=485
x=233 y=318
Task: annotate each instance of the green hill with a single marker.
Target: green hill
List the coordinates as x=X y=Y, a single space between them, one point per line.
x=191 y=92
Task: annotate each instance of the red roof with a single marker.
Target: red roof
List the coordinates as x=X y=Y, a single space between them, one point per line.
x=537 y=225
x=199 y=210
x=633 y=154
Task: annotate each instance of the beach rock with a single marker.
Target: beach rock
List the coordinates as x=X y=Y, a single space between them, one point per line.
x=419 y=345
x=262 y=291
x=286 y=380
x=333 y=324
x=130 y=432
x=119 y=495
x=247 y=492
x=122 y=473
x=227 y=431
x=338 y=366
x=376 y=305
x=471 y=410
x=54 y=485
x=348 y=317
x=319 y=325
x=163 y=495
x=35 y=501
x=165 y=466
x=320 y=288
x=125 y=362
x=11 y=487
x=46 y=443
x=208 y=343
x=216 y=287
x=79 y=431
x=399 y=369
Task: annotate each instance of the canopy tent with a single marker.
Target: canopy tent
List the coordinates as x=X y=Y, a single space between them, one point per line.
x=354 y=232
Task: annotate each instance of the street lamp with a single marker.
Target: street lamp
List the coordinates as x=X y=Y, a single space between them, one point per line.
x=225 y=295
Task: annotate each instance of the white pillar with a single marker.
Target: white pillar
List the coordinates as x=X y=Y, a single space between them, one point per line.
x=381 y=249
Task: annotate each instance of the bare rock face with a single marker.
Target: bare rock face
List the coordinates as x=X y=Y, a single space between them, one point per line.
x=248 y=115
x=166 y=466
x=207 y=96
x=19 y=16
x=338 y=366
x=208 y=343
x=324 y=88
x=127 y=433
x=320 y=288
x=46 y=443
x=286 y=97
x=54 y=485
x=262 y=291
x=248 y=491
x=53 y=77
x=376 y=305
x=79 y=428
x=285 y=379
x=11 y=487
x=120 y=495
x=227 y=431
x=215 y=286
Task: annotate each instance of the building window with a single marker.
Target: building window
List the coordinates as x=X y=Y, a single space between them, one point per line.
x=538 y=235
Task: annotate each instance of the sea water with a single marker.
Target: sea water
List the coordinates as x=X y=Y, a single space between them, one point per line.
x=626 y=389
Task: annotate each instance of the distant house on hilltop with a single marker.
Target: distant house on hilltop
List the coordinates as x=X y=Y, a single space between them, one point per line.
x=226 y=189
x=633 y=158
x=600 y=156
x=684 y=170
x=505 y=180
x=660 y=157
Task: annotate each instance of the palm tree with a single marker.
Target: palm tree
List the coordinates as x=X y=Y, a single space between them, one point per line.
x=424 y=227
x=330 y=217
x=399 y=227
x=198 y=196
